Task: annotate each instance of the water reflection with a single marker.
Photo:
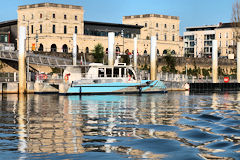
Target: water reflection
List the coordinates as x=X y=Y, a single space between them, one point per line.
x=170 y=126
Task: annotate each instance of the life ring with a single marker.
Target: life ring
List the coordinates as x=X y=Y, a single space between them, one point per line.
x=66 y=77
x=129 y=77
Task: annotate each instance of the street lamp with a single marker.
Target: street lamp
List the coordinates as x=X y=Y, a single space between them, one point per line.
x=122 y=35
x=36 y=40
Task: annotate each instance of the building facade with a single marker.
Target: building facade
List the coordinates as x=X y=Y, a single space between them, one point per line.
x=51 y=28
x=165 y=28
x=198 y=40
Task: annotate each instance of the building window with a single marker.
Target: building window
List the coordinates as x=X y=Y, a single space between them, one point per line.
x=53 y=15
x=87 y=50
x=23 y=17
x=53 y=48
x=165 y=36
x=65 y=29
x=157 y=25
x=165 y=25
x=76 y=18
x=173 y=37
x=32 y=16
x=145 y=24
x=226 y=35
x=173 y=27
x=40 y=29
x=76 y=29
x=32 y=29
x=65 y=16
x=65 y=48
x=220 y=43
x=40 y=15
x=40 y=48
x=220 y=35
x=226 y=43
x=54 y=29
x=156 y=36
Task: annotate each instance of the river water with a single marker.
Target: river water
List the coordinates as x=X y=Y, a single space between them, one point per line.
x=171 y=126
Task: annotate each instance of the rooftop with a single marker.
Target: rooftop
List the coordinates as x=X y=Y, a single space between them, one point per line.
x=112 y=24
x=49 y=5
x=202 y=28
x=151 y=15
x=8 y=23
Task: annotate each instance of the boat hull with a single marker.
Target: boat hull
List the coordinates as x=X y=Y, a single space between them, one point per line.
x=145 y=86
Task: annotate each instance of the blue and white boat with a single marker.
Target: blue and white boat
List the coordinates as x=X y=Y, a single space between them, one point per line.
x=97 y=78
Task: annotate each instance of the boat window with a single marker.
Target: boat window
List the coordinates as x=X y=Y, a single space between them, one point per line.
x=123 y=72
x=116 y=72
x=109 y=72
x=130 y=72
x=100 y=72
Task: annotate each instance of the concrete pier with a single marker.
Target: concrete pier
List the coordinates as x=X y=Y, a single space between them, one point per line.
x=153 y=58
x=215 y=61
x=111 y=36
x=135 y=53
x=74 y=49
x=22 y=59
x=238 y=62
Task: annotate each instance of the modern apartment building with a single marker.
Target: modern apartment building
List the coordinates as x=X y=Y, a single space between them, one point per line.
x=198 y=40
x=51 y=28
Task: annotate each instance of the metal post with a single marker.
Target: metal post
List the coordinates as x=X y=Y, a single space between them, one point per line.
x=215 y=62
x=21 y=60
x=238 y=62
x=153 y=58
x=122 y=34
x=36 y=40
x=111 y=36
x=74 y=49
x=135 y=53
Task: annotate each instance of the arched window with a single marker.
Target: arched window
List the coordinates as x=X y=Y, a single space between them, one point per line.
x=53 y=48
x=145 y=52
x=65 y=48
x=106 y=50
x=77 y=49
x=117 y=50
x=156 y=36
x=40 y=48
x=165 y=51
x=158 y=53
x=87 y=50
x=173 y=52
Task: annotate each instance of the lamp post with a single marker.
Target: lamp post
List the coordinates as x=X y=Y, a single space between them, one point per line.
x=36 y=40
x=122 y=34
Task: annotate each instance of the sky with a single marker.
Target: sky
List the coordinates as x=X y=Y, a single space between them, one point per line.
x=191 y=12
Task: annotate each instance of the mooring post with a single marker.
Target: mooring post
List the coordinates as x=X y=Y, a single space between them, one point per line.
x=215 y=62
x=135 y=53
x=22 y=59
x=153 y=58
x=111 y=36
x=74 y=52
x=238 y=62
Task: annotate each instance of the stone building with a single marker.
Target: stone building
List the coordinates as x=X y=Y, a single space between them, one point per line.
x=51 y=28
x=198 y=40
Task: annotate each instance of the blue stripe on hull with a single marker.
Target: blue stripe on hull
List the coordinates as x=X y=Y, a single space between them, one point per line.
x=112 y=87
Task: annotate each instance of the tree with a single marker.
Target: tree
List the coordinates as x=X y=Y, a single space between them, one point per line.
x=235 y=24
x=98 y=53
x=170 y=63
